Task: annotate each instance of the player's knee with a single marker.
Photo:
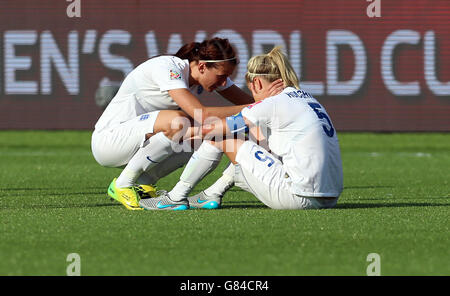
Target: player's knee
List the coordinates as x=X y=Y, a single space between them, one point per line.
x=178 y=125
x=218 y=143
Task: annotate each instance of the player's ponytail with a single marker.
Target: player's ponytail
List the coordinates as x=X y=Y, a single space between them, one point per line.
x=189 y=51
x=272 y=66
x=212 y=51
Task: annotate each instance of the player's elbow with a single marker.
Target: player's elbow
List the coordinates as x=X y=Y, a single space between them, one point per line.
x=207 y=116
x=214 y=128
x=206 y=130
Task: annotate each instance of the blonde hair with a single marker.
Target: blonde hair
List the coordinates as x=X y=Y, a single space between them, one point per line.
x=272 y=66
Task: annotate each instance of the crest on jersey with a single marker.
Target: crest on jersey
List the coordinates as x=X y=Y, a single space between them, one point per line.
x=174 y=75
x=144 y=117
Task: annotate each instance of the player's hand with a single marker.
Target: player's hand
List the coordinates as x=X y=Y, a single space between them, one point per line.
x=276 y=87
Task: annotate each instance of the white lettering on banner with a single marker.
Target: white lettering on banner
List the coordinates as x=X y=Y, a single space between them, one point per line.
x=89 y=41
x=266 y=37
x=152 y=44
x=14 y=63
x=316 y=88
x=438 y=88
x=387 y=63
x=273 y=38
x=67 y=65
x=345 y=88
x=50 y=54
x=242 y=51
x=113 y=61
x=175 y=42
x=200 y=36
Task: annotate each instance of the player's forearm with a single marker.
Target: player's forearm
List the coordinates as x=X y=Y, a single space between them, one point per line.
x=236 y=95
x=221 y=112
x=231 y=125
x=213 y=129
x=196 y=110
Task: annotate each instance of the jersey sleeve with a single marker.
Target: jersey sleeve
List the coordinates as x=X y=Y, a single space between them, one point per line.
x=171 y=74
x=260 y=112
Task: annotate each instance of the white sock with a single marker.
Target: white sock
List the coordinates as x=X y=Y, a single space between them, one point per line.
x=167 y=166
x=155 y=150
x=203 y=161
x=225 y=182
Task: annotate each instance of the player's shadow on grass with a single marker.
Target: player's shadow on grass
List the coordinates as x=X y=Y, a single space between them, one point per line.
x=50 y=191
x=54 y=194
x=68 y=206
x=388 y=205
x=48 y=188
x=259 y=205
x=367 y=187
x=244 y=205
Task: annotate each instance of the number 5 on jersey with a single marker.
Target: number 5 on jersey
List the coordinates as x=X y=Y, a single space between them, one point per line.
x=264 y=158
x=321 y=115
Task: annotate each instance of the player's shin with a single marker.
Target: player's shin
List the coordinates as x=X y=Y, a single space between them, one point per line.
x=203 y=161
x=225 y=182
x=155 y=150
x=169 y=165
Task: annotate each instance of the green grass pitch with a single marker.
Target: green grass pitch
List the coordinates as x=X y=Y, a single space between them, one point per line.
x=395 y=203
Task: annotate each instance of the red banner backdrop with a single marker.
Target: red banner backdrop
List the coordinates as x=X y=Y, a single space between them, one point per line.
x=376 y=65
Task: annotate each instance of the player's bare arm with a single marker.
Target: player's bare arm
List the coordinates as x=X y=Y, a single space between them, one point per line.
x=236 y=95
x=232 y=125
x=189 y=104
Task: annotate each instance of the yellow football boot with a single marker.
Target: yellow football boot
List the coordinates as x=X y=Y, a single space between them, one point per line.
x=146 y=191
x=128 y=196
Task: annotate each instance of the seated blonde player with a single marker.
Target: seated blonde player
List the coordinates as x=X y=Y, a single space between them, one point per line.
x=300 y=169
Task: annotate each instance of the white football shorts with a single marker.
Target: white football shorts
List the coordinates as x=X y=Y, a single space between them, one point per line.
x=114 y=147
x=262 y=174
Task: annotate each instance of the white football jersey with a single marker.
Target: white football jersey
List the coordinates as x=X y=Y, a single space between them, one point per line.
x=145 y=89
x=300 y=131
